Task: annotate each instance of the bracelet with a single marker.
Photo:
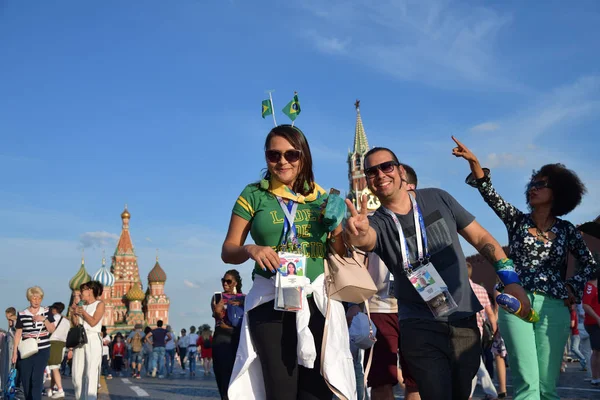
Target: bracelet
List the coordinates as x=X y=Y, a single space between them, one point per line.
x=505 y=269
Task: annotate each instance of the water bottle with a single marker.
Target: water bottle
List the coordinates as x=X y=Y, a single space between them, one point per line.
x=512 y=305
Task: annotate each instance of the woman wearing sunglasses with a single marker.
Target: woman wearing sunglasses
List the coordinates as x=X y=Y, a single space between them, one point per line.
x=284 y=348
x=226 y=338
x=539 y=242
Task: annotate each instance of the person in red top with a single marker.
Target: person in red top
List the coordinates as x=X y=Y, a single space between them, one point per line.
x=575 y=339
x=118 y=354
x=591 y=305
x=205 y=343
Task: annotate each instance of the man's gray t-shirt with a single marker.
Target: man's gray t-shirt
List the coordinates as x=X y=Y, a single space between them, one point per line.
x=443 y=217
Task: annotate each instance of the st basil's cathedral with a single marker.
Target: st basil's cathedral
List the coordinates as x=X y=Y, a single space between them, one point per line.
x=126 y=302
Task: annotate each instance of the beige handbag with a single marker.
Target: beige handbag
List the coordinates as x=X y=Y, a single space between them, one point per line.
x=347 y=278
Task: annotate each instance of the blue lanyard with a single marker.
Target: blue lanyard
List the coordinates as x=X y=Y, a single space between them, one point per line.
x=289 y=228
x=421 y=237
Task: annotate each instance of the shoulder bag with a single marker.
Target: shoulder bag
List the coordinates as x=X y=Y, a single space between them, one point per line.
x=29 y=346
x=346 y=277
x=77 y=337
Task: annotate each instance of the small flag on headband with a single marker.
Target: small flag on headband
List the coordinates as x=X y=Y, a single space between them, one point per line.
x=292 y=109
x=267 y=108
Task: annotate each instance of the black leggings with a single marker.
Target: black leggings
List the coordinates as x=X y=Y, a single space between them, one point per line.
x=275 y=338
x=223 y=355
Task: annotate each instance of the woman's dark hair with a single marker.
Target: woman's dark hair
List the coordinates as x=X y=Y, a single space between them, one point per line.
x=147 y=330
x=567 y=188
x=305 y=183
x=237 y=277
x=96 y=287
x=378 y=149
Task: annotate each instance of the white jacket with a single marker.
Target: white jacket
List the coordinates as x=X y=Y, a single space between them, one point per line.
x=247 y=380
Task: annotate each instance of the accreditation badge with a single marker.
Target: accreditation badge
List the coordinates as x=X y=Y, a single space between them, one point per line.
x=290 y=281
x=433 y=290
x=390 y=289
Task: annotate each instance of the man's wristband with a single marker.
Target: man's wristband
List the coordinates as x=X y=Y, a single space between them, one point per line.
x=505 y=269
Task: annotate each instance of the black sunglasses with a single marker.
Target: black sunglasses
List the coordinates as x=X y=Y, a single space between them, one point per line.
x=274 y=156
x=227 y=281
x=385 y=167
x=537 y=185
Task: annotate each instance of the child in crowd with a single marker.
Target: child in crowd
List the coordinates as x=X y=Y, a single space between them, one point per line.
x=118 y=354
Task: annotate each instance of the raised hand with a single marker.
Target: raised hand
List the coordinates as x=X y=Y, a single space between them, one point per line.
x=358 y=223
x=264 y=256
x=462 y=151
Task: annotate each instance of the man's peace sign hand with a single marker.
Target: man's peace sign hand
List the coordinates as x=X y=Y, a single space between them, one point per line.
x=358 y=223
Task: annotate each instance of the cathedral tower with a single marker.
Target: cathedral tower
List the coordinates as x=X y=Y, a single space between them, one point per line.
x=125 y=269
x=157 y=303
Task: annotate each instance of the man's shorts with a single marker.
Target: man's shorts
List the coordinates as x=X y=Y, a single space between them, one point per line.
x=594 y=332
x=56 y=354
x=384 y=367
x=137 y=357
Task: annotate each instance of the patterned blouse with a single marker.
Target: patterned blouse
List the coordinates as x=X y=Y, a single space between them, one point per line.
x=541 y=266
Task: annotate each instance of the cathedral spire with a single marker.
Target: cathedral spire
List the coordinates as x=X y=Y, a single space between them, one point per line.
x=361 y=144
x=125 y=246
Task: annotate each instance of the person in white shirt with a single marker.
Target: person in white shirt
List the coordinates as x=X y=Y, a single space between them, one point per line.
x=170 y=350
x=192 y=350
x=87 y=359
x=182 y=345
x=57 y=347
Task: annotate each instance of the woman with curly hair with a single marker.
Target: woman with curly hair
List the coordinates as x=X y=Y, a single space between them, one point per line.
x=539 y=242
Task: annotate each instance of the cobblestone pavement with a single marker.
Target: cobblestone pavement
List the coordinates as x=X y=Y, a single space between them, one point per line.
x=572 y=386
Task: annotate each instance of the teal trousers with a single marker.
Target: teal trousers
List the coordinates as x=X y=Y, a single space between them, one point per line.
x=535 y=350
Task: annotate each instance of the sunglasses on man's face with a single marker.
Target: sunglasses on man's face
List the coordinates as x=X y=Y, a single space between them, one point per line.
x=537 y=185
x=227 y=281
x=274 y=156
x=385 y=167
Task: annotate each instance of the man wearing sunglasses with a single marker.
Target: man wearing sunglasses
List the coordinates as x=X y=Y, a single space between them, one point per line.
x=442 y=351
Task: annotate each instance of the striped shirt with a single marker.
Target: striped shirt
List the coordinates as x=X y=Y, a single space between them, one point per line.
x=482 y=296
x=31 y=329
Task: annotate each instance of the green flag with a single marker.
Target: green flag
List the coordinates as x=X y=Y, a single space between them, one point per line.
x=267 y=108
x=292 y=109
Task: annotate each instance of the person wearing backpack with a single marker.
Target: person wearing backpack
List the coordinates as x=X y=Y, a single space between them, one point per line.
x=136 y=341
x=227 y=328
x=205 y=343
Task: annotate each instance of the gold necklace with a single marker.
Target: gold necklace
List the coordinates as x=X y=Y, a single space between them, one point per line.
x=541 y=235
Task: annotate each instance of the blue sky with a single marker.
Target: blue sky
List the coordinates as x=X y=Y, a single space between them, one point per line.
x=156 y=104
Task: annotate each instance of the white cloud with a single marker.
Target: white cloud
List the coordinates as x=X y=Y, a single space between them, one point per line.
x=190 y=284
x=98 y=239
x=494 y=160
x=486 y=127
x=331 y=45
x=430 y=41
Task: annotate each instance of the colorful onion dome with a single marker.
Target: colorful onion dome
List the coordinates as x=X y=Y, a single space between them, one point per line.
x=80 y=277
x=135 y=294
x=157 y=274
x=104 y=276
x=125 y=213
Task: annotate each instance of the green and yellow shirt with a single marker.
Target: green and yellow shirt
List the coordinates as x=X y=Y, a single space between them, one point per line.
x=262 y=209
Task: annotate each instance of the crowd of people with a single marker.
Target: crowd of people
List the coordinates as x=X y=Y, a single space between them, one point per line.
x=430 y=328
x=40 y=373
x=438 y=346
